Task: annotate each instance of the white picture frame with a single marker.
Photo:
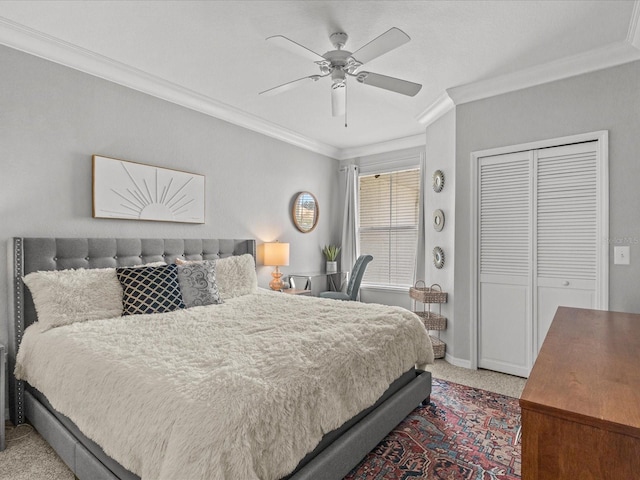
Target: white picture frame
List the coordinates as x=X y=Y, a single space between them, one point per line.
x=137 y=191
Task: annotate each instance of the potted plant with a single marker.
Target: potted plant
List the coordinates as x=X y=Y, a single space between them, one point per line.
x=331 y=255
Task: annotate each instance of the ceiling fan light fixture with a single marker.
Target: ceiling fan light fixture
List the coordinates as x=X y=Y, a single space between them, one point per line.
x=339 y=99
x=338 y=76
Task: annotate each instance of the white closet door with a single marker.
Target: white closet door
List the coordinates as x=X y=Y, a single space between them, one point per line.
x=505 y=254
x=566 y=236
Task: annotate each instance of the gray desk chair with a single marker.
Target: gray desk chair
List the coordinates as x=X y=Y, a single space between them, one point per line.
x=354 y=282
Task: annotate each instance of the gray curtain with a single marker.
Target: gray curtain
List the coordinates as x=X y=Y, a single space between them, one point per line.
x=350 y=242
x=419 y=271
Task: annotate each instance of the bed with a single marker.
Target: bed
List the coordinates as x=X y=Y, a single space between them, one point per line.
x=330 y=455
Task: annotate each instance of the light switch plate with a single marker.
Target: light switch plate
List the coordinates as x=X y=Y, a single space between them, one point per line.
x=621 y=256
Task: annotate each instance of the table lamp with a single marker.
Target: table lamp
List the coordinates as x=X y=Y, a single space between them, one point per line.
x=276 y=254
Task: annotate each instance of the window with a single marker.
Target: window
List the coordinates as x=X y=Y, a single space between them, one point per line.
x=388 y=227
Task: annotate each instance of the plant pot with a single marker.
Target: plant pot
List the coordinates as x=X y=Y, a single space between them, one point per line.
x=332 y=267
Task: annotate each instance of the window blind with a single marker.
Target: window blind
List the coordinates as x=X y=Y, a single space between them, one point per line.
x=388 y=227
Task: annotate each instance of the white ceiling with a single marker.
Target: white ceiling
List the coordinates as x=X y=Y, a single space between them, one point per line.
x=212 y=55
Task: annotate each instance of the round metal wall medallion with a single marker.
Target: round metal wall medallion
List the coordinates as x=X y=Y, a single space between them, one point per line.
x=438 y=220
x=438 y=180
x=438 y=257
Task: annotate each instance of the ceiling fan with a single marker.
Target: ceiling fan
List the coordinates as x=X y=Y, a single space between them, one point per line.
x=340 y=64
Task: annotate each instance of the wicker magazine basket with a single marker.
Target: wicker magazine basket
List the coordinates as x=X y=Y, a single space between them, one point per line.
x=426 y=294
x=438 y=347
x=433 y=321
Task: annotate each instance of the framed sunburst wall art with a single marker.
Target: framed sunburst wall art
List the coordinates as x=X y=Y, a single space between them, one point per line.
x=137 y=191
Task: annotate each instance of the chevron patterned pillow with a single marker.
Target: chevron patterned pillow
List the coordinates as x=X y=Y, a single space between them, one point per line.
x=150 y=289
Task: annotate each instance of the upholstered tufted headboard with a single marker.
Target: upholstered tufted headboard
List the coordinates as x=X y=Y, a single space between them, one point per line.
x=33 y=254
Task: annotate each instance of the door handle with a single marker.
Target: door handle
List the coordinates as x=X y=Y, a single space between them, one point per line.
x=565 y=283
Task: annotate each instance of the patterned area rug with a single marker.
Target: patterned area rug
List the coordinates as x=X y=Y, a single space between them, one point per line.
x=464 y=434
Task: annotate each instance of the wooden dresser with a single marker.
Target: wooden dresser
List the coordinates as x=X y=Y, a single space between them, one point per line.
x=581 y=403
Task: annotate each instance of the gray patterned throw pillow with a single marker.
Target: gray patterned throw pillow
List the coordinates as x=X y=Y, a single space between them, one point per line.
x=198 y=283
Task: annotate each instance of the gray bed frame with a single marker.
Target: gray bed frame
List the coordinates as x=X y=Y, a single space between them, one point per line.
x=337 y=454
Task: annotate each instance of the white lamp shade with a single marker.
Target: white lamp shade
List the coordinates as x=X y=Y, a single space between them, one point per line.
x=276 y=254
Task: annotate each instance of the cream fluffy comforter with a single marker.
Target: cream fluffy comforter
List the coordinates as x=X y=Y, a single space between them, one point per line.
x=241 y=390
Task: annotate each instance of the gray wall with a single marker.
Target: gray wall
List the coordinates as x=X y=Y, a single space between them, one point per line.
x=52 y=119
x=441 y=155
x=603 y=100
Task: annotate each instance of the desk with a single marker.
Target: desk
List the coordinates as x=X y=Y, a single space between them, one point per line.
x=580 y=405
x=296 y=291
x=332 y=281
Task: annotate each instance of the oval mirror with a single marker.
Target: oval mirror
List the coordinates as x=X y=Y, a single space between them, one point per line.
x=305 y=212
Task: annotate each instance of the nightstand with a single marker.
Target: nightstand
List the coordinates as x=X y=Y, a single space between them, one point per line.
x=296 y=291
x=2 y=397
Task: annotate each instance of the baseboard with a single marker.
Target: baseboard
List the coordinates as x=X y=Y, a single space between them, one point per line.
x=458 y=362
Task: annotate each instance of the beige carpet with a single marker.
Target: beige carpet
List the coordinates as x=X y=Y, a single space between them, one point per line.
x=29 y=457
x=484 y=379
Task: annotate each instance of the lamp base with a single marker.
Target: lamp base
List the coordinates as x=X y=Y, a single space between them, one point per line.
x=276 y=283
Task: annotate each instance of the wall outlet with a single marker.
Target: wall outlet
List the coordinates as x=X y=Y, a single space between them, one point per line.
x=621 y=256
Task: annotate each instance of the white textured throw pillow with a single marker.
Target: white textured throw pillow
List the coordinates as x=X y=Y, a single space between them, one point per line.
x=235 y=275
x=62 y=297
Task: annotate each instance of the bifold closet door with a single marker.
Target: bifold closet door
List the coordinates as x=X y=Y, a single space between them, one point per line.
x=505 y=263
x=565 y=231
x=538 y=248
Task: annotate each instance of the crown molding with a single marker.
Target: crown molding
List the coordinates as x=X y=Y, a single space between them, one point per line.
x=45 y=46
x=442 y=105
x=419 y=140
x=608 y=56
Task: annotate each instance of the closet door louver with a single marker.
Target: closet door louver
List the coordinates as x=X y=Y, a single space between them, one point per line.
x=505 y=215
x=567 y=212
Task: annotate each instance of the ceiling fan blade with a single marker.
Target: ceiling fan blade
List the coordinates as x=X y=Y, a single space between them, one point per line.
x=338 y=100
x=289 y=85
x=389 y=83
x=294 y=47
x=386 y=42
